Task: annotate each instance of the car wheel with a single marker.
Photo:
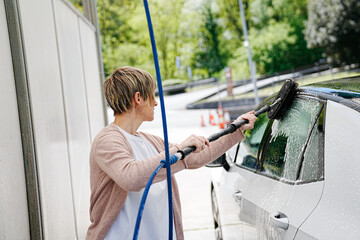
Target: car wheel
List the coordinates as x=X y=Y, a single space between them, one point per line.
x=216 y=215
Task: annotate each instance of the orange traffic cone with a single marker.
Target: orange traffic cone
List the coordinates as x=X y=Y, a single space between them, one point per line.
x=227 y=118
x=202 y=121
x=221 y=121
x=221 y=117
x=211 y=119
x=220 y=110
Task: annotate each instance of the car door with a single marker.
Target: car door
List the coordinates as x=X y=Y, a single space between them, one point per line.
x=281 y=194
x=242 y=167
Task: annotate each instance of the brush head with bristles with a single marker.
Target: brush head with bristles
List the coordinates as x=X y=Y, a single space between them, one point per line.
x=283 y=99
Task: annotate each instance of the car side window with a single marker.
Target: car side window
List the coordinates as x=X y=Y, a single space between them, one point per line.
x=286 y=138
x=313 y=163
x=247 y=154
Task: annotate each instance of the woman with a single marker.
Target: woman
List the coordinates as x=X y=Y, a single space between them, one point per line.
x=122 y=160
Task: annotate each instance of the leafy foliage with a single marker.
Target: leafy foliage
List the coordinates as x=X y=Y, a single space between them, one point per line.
x=335 y=25
x=208 y=36
x=209 y=55
x=118 y=36
x=167 y=25
x=230 y=12
x=276 y=35
x=279 y=40
x=78 y=4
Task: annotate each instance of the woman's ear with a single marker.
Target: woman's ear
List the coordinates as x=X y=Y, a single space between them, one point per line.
x=137 y=98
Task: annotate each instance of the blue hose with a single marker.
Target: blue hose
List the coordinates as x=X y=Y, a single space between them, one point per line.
x=173 y=159
x=167 y=155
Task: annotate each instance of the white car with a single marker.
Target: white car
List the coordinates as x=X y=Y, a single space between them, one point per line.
x=297 y=177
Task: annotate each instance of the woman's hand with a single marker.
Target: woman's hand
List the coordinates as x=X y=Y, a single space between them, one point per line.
x=197 y=141
x=250 y=116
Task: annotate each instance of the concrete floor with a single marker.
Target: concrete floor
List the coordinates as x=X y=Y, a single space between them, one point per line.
x=194 y=186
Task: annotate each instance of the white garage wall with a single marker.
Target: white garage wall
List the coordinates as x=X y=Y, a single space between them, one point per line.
x=48 y=115
x=67 y=110
x=76 y=109
x=93 y=82
x=13 y=202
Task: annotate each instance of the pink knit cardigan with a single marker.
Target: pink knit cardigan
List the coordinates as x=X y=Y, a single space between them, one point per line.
x=114 y=172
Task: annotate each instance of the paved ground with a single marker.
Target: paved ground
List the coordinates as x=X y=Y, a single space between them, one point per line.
x=196 y=204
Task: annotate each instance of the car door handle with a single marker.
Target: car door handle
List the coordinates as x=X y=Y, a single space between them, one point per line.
x=237 y=195
x=280 y=220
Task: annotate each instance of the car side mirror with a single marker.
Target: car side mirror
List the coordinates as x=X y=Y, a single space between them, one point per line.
x=220 y=162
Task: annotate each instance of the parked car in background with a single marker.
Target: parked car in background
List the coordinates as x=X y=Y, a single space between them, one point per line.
x=296 y=177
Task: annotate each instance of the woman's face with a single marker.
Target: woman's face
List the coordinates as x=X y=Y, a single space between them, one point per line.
x=149 y=107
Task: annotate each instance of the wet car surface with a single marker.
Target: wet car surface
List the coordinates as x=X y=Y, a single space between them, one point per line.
x=295 y=177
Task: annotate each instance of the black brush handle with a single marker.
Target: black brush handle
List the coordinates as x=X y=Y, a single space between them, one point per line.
x=257 y=113
x=229 y=129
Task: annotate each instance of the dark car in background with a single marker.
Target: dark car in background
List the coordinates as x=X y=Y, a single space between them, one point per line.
x=296 y=177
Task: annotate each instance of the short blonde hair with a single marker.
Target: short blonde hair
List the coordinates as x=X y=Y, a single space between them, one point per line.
x=121 y=86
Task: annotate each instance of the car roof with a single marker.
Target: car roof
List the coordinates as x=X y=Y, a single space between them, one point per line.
x=351 y=84
x=345 y=91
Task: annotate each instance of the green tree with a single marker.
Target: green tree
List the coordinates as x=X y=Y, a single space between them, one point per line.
x=119 y=37
x=210 y=55
x=275 y=32
x=167 y=17
x=114 y=17
x=125 y=37
x=208 y=39
x=335 y=25
x=279 y=26
x=78 y=4
x=230 y=12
